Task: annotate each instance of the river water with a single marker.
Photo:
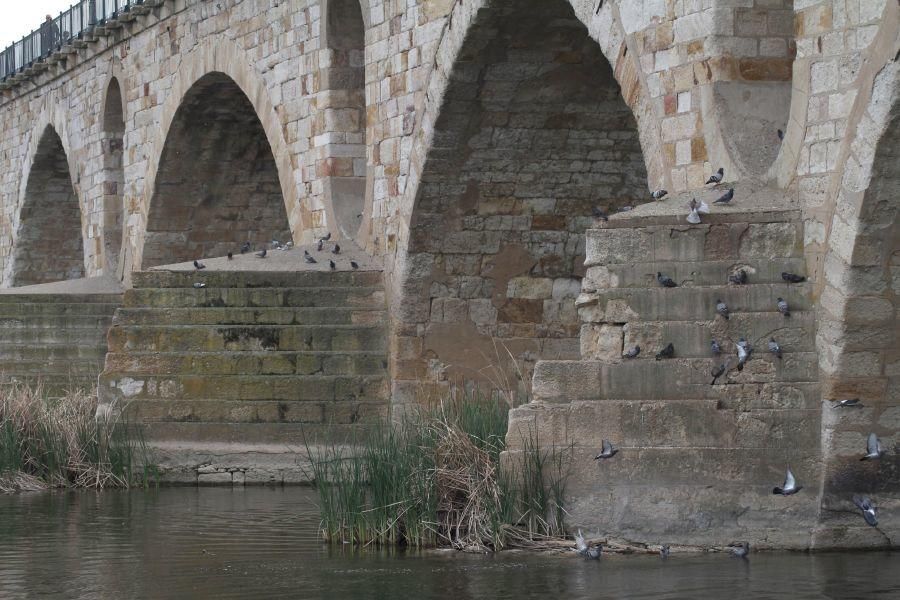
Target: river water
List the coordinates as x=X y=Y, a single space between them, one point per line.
x=263 y=543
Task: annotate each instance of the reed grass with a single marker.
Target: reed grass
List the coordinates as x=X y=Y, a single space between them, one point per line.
x=58 y=442
x=435 y=477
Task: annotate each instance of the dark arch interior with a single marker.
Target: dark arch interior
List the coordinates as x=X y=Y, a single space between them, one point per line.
x=533 y=133
x=217 y=184
x=113 y=174
x=49 y=245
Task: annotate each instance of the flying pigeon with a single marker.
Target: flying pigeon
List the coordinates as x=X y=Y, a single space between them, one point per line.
x=865 y=504
x=693 y=217
x=791 y=278
x=699 y=205
x=580 y=544
x=722 y=309
x=262 y=253
x=740 y=549
x=873 y=448
x=599 y=214
x=667 y=352
x=658 y=194
x=319 y=246
x=199 y=285
x=789 y=487
x=717 y=176
x=725 y=198
x=354 y=264
x=774 y=348
x=230 y=256
x=783 y=307
x=739 y=278
x=336 y=249
x=848 y=402
x=665 y=280
x=715 y=347
x=664 y=551
x=199 y=265
x=632 y=353
x=309 y=259
x=246 y=247
x=593 y=552
x=607 y=450
x=744 y=350
x=331 y=265
x=718 y=372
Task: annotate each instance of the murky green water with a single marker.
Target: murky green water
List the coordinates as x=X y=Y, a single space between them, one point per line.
x=263 y=543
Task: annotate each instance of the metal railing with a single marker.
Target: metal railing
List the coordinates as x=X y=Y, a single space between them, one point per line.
x=53 y=34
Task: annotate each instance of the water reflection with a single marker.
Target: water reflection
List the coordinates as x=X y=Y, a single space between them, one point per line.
x=263 y=543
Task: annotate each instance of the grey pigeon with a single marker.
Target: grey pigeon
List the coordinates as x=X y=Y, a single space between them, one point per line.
x=336 y=249
x=715 y=348
x=625 y=208
x=774 y=348
x=665 y=280
x=718 y=372
x=331 y=265
x=783 y=307
x=865 y=504
x=791 y=278
x=693 y=217
x=309 y=259
x=199 y=265
x=246 y=247
x=607 y=450
x=262 y=253
x=667 y=352
x=580 y=544
x=722 y=309
x=744 y=350
x=230 y=256
x=725 y=198
x=658 y=194
x=739 y=278
x=319 y=245
x=354 y=264
x=717 y=176
x=698 y=205
x=848 y=402
x=593 y=552
x=873 y=448
x=326 y=237
x=780 y=135
x=199 y=285
x=740 y=549
x=632 y=353
x=664 y=551
x=599 y=214
x=790 y=485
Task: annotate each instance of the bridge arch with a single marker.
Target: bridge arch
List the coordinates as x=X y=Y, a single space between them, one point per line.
x=113 y=178
x=528 y=125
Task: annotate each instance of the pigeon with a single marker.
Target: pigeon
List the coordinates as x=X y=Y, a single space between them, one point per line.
x=665 y=280
x=791 y=278
x=336 y=249
x=599 y=214
x=625 y=208
x=199 y=265
x=725 y=198
x=199 y=285
x=722 y=309
x=848 y=402
x=276 y=243
x=326 y=237
x=740 y=549
x=331 y=265
x=774 y=348
x=739 y=278
x=580 y=545
x=789 y=487
x=699 y=205
x=780 y=135
x=309 y=259
x=693 y=217
x=246 y=247
x=873 y=448
x=865 y=504
x=319 y=246
x=744 y=350
x=288 y=246
x=262 y=253
x=658 y=194
x=717 y=176
x=230 y=256
x=718 y=372
x=783 y=307
x=715 y=348
x=593 y=552
x=664 y=551
x=354 y=265
x=632 y=353
x=667 y=352
x=607 y=450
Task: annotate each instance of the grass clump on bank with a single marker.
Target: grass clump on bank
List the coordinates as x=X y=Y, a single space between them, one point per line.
x=435 y=478
x=58 y=442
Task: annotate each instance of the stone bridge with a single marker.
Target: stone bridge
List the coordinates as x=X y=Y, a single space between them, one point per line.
x=455 y=149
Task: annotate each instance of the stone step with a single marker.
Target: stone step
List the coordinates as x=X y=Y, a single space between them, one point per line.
x=296 y=435
x=247 y=363
x=256 y=279
x=345 y=297
x=52 y=386
x=212 y=338
x=47 y=353
x=560 y=381
x=29 y=310
x=263 y=411
x=64 y=299
x=250 y=316
x=57 y=322
x=247 y=388
x=668 y=424
x=78 y=368
x=698 y=303
x=690 y=273
x=83 y=336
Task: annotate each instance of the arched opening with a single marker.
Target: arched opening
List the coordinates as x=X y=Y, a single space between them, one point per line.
x=217 y=184
x=113 y=176
x=533 y=133
x=49 y=245
x=341 y=119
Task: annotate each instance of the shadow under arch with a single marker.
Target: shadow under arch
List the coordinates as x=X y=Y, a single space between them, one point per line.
x=217 y=184
x=49 y=242
x=113 y=115
x=532 y=134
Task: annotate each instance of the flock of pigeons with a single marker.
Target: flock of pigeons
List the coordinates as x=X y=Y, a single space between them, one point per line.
x=744 y=349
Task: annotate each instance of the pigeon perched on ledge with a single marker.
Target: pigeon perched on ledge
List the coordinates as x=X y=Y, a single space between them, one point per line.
x=718 y=372
x=199 y=265
x=791 y=278
x=774 y=348
x=739 y=278
x=667 y=352
x=665 y=280
x=783 y=307
x=599 y=214
x=632 y=353
x=725 y=198
x=658 y=194
x=715 y=348
x=717 y=176
x=722 y=309
x=740 y=549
